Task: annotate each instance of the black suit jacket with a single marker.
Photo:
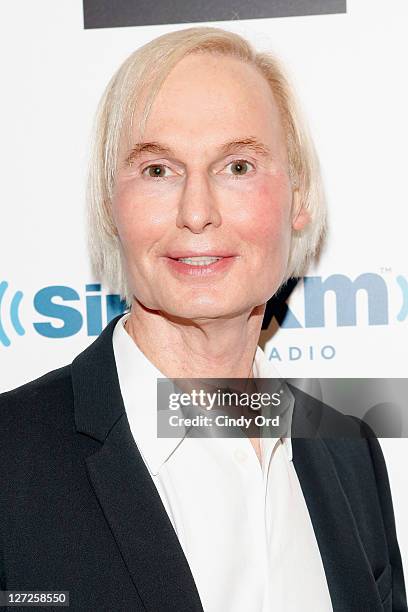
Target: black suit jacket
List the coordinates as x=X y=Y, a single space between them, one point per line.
x=79 y=511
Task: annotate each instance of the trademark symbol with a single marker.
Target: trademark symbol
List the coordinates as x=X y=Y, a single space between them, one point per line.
x=385 y=270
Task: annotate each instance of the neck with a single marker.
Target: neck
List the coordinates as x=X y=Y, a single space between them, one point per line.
x=201 y=348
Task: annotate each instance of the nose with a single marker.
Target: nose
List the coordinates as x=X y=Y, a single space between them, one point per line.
x=198 y=205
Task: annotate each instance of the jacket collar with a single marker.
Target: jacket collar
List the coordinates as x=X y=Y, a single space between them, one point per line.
x=348 y=572
x=97 y=397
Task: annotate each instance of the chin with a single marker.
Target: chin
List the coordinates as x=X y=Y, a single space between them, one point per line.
x=198 y=309
x=212 y=309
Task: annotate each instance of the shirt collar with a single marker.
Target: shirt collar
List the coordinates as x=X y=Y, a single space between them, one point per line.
x=263 y=368
x=138 y=384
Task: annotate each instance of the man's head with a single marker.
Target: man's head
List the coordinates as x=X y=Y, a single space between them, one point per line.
x=199 y=149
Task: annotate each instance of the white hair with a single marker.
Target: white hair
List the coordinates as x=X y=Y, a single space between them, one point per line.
x=135 y=86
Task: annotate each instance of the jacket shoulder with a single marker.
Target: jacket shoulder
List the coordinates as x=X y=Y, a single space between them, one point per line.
x=44 y=398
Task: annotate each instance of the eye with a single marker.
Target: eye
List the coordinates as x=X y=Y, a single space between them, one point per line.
x=156 y=171
x=239 y=167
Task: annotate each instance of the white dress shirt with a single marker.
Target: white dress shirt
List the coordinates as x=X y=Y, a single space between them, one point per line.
x=244 y=527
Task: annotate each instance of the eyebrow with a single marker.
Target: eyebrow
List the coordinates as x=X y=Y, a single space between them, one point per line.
x=250 y=142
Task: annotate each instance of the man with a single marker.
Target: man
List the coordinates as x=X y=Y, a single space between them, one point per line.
x=205 y=197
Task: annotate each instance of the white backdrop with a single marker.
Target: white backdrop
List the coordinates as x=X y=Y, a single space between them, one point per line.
x=350 y=73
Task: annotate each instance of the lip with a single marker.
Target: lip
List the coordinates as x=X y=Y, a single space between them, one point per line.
x=181 y=269
x=215 y=253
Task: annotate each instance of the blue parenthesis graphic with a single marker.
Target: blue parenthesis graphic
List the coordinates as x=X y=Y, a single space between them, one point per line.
x=403 y=313
x=3 y=338
x=15 y=303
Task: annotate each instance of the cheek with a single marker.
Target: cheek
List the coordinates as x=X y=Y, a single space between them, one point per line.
x=135 y=217
x=266 y=217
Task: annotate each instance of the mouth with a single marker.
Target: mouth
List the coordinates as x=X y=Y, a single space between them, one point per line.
x=198 y=260
x=200 y=265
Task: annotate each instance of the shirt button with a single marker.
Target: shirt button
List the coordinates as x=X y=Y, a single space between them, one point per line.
x=240 y=455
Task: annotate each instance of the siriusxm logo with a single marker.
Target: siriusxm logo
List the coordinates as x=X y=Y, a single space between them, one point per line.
x=47 y=302
x=59 y=304
x=373 y=286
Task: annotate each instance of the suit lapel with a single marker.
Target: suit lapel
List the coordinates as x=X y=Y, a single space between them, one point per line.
x=128 y=497
x=348 y=572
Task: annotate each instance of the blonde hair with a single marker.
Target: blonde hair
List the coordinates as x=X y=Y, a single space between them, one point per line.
x=136 y=83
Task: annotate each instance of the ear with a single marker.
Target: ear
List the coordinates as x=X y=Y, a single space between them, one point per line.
x=300 y=216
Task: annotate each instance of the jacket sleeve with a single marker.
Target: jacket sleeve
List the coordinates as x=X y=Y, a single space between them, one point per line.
x=399 y=600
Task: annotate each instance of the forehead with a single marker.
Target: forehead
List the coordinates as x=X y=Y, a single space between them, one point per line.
x=207 y=99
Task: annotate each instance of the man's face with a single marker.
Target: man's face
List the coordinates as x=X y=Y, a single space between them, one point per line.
x=193 y=192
